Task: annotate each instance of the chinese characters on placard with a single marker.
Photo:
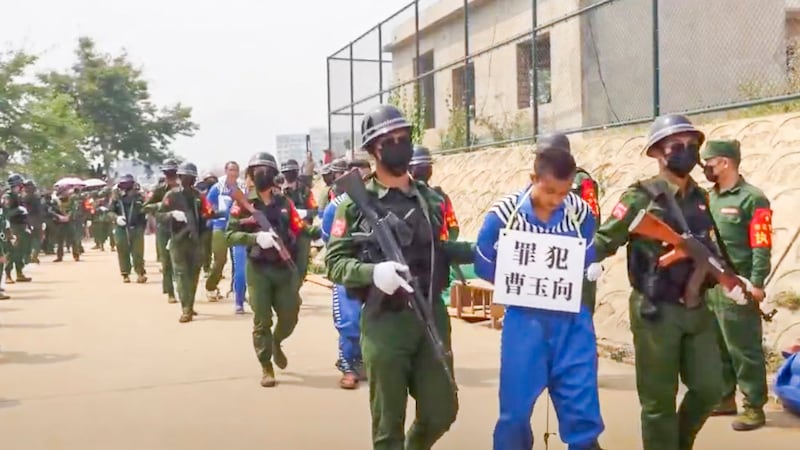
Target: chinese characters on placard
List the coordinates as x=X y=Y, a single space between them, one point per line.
x=556 y=259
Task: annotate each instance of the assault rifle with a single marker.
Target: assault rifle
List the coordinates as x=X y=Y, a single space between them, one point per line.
x=262 y=222
x=687 y=246
x=383 y=235
x=191 y=227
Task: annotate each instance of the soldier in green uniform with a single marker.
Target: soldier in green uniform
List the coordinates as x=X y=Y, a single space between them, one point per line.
x=330 y=172
x=183 y=208
x=17 y=216
x=34 y=203
x=202 y=186
x=271 y=282
x=62 y=226
x=586 y=188
x=4 y=232
x=673 y=337
x=102 y=221
x=151 y=206
x=49 y=200
x=744 y=220
x=398 y=358
x=127 y=214
x=306 y=206
x=78 y=213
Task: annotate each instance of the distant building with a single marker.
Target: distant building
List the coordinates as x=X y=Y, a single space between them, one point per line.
x=143 y=173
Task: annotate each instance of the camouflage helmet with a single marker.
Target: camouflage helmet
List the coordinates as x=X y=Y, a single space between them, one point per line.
x=339 y=166
x=669 y=125
x=382 y=120
x=169 y=165
x=421 y=156
x=188 y=169
x=325 y=169
x=553 y=140
x=262 y=159
x=209 y=176
x=289 y=166
x=15 y=179
x=359 y=163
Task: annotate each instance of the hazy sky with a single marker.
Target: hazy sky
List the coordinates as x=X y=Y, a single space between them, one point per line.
x=249 y=68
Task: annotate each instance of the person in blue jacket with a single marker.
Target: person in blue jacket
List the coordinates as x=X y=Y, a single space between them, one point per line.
x=346 y=310
x=542 y=348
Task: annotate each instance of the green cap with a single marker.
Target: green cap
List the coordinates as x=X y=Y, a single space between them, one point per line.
x=728 y=149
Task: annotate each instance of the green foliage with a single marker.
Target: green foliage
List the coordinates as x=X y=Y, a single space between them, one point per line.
x=508 y=126
x=408 y=106
x=455 y=136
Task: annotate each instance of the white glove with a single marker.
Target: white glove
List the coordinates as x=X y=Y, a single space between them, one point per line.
x=594 y=271
x=44 y=226
x=303 y=213
x=88 y=223
x=23 y=210
x=121 y=221
x=266 y=239
x=385 y=276
x=736 y=294
x=8 y=224
x=179 y=216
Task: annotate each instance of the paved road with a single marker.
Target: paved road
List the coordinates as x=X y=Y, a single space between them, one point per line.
x=87 y=363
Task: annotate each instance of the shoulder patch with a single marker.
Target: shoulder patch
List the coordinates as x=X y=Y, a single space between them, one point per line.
x=619 y=211
x=339 y=227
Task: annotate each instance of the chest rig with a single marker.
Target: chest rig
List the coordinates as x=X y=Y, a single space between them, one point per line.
x=277 y=214
x=668 y=284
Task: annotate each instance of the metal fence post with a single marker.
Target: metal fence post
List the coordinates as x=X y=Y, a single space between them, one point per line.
x=534 y=73
x=467 y=96
x=330 y=124
x=417 y=89
x=656 y=64
x=352 y=105
x=380 y=63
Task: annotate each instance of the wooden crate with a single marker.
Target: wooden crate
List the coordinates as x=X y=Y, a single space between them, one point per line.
x=473 y=302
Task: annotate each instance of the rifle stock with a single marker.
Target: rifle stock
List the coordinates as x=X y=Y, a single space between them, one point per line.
x=383 y=235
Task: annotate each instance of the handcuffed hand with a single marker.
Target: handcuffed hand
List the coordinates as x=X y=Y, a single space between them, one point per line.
x=594 y=271
x=179 y=216
x=266 y=239
x=386 y=277
x=121 y=221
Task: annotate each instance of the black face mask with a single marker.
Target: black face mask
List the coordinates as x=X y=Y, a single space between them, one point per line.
x=187 y=181
x=290 y=176
x=125 y=187
x=682 y=159
x=263 y=180
x=422 y=172
x=396 y=155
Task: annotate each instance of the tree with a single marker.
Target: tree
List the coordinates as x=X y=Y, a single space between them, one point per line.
x=112 y=98
x=14 y=96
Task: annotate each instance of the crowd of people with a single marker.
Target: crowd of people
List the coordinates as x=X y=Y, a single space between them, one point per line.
x=394 y=330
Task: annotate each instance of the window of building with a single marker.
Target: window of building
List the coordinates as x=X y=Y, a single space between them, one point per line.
x=525 y=75
x=426 y=87
x=793 y=48
x=460 y=89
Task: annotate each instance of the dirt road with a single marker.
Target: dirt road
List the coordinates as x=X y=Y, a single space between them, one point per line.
x=87 y=362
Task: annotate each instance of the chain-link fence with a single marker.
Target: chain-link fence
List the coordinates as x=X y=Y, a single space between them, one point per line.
x=466 y=72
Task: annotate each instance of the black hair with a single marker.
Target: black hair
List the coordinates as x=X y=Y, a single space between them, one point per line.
x=554 y=161
x=230 y=163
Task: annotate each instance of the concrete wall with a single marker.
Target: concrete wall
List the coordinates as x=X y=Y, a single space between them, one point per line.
x=495 y=72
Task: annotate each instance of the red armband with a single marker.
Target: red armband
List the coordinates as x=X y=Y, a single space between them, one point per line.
x=761 y=228
x=589 y=195
x=295 y=222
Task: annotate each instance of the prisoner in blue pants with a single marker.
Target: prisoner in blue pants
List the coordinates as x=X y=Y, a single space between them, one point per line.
x=541 y=348
x=346 y=310
x=239 y=260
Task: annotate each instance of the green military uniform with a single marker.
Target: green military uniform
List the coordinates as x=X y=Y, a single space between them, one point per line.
x=17 y=216
x=587 y=188
x=62 y=228
x=130 y=222
x=306 y=204
x=102 y=221
x=36 y=214
x=397 y=357
x=77 y=213
x=48 y=241
x=744 y=220
x=184 y=246
x=4 y=232
x=151 y=206
x=670 y=339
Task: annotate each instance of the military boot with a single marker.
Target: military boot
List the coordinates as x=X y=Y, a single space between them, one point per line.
x=126 y=278
x=35 y=260
x=21 y=278
x=268 y=377
x=750 y=419
x=727 y=407
x=186 y=316
x=172 y=299
x=278 y=357
x=142 y=278
x=213 y=296
x=4 y=296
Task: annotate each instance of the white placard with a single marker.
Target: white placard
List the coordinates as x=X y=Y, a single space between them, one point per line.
x=539 y=270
